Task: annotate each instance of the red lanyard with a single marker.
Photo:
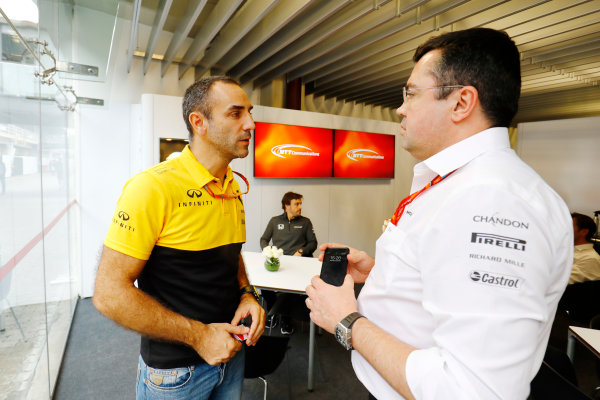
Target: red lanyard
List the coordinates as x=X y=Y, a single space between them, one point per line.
x=409 y=199
x=226 y=195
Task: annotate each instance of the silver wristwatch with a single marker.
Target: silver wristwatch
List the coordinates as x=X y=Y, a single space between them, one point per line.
x=343 y=330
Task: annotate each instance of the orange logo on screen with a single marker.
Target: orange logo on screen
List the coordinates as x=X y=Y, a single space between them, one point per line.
x=363 y=155
x=286 y=150
x=292 y=151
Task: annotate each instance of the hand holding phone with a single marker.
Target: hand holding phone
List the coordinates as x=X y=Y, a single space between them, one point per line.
x=335 y=265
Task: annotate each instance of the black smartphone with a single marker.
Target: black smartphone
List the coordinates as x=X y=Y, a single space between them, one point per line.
x=335 y=264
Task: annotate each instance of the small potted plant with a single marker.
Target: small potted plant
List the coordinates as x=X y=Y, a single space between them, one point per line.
x=272 y=254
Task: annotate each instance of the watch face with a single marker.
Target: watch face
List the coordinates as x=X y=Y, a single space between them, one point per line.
x=340 y=336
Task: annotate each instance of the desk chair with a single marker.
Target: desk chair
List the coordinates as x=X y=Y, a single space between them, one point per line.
x=264 y=358
x=548 y=384
x=595 y=324
x=581 y=301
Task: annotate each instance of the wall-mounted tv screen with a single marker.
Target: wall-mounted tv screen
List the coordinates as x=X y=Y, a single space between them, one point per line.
x=363 y=155
x=290 y=151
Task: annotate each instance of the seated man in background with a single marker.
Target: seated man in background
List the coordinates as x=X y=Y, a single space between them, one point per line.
x=294 y=234
x=586 y=262
x=291 y=231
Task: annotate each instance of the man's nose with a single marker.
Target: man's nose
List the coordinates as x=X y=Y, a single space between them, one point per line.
x=249 y=123
x=401 y=111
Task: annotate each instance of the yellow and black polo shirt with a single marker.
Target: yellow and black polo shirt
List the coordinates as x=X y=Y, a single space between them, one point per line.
x=191 y=241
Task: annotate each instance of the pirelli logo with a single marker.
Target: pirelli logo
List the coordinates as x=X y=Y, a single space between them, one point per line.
x=499 y=241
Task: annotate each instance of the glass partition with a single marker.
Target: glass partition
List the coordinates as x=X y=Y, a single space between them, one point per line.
x=39 y=238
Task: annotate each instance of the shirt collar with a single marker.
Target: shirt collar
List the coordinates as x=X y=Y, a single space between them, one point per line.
x=459 y=154
x=198 y=172
x=285 y=217
x=585 y=246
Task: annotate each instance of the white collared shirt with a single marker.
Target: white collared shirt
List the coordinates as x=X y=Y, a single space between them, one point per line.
x=471 y=275
x=586 y=264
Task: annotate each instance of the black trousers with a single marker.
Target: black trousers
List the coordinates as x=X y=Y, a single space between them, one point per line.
x=371 y=397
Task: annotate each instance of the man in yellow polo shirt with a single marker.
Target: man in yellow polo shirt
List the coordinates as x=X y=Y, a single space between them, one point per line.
x=178 y=230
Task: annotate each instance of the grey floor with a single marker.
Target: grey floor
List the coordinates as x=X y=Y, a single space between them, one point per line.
x=101 y=359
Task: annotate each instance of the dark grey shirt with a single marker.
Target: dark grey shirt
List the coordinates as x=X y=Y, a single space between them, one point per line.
x=290 y=235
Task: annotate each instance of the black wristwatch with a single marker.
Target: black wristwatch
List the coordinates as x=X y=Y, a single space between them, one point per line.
x=249 y=289
x=343 y=330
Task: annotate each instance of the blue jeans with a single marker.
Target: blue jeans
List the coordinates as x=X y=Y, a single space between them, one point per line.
x=198 y=382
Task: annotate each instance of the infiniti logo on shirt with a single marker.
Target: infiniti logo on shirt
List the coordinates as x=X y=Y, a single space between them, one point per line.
x=194 y=193
x=123 y=216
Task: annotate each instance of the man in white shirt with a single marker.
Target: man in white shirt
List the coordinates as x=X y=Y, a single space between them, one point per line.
x=461 y=295
x=586 y=262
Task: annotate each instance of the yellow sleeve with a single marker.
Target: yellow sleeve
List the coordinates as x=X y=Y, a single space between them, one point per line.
x=139 y=217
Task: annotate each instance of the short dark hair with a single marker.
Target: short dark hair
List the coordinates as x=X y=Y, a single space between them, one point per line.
x=484 y=58
x=585 y=222
x=288 y=197
x=197 y=98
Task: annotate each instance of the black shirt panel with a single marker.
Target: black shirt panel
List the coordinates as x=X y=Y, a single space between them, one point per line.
x=201 y=285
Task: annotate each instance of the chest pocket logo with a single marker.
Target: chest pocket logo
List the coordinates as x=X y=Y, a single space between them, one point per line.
x=280 y=227
x=194 y=193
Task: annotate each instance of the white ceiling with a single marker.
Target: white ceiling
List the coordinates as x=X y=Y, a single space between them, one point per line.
x=362 y=50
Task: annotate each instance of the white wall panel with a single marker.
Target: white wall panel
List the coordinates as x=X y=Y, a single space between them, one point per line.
x=566 y=153
x=105 y=154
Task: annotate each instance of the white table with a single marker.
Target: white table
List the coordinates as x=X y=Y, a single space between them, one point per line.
x=590 y=338
x=293 y=276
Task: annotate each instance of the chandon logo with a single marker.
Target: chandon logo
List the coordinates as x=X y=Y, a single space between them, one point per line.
x=284 y=150
x=194 y=193
x=123 y=215
x=356 y=154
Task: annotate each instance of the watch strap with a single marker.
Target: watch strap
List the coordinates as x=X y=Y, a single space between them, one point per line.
x=344 y=329
x=351 y=319
x=249 y=289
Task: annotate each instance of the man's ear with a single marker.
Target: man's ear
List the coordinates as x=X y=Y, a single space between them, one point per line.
x=198 y=122
x=466 y=101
